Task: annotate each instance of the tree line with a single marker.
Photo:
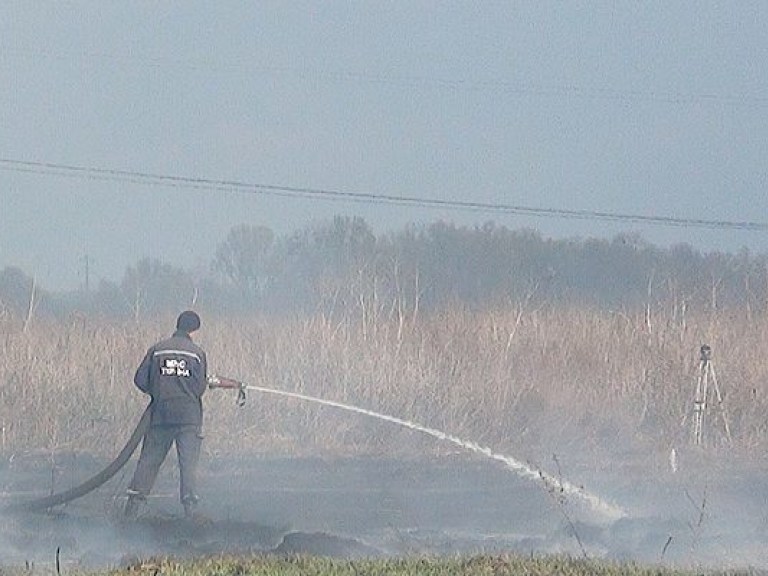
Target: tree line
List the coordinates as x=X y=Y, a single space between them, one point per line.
x=341 y=265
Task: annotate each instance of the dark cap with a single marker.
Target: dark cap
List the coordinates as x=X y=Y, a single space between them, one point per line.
x=188 y=321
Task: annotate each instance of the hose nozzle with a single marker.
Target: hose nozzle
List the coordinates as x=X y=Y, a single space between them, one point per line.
x=215 y=381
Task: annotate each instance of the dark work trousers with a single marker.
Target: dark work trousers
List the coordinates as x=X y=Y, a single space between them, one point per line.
x=154 y=449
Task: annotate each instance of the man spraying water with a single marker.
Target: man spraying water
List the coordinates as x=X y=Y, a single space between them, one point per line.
x=174 y=374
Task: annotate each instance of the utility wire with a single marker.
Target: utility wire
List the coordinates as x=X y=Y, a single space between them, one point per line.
x=186 y=182
x=412 y=81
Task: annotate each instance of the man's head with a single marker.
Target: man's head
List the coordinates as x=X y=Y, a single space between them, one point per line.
x=188 y=321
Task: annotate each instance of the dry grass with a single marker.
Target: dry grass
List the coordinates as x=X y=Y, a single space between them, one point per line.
x=504 y=565
x=523 y=381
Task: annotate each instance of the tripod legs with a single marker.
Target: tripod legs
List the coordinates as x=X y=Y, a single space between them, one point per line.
x=701 y=399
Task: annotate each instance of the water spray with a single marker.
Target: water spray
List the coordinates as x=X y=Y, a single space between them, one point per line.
x=610 y=511
x=552 y=483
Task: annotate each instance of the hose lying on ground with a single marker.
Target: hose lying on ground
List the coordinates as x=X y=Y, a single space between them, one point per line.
x=93 y=482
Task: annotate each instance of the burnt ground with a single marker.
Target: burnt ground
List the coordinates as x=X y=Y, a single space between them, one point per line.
x=706 y=514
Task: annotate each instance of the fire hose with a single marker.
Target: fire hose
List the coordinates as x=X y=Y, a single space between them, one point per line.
x=551 y=482
x=120 y=460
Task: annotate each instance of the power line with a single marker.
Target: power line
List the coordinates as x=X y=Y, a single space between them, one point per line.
x=186 y=182
x=413 y=81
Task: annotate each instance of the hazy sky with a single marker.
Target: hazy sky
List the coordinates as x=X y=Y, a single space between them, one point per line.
x=653 y=108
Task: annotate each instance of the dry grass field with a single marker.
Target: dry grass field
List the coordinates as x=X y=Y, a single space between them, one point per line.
x=600 y=397
x=523 y=381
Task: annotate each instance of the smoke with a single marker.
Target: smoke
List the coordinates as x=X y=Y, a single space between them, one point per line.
x=364 y=507
x=706 y=511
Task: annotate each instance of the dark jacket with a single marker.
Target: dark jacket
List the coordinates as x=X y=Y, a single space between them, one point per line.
x=174 y=374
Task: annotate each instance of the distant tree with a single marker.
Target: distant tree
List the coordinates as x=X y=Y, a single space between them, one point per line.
x=341 y=265
x=244 y=258
x=151 y=286
x=347 y=240
x=476 y=265
x=324 y=260
x=109 y=299
x=19 y=293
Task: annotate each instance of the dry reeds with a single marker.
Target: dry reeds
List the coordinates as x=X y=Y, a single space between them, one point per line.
x=528 y=382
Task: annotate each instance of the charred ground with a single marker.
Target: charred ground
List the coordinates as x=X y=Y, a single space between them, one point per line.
x=704 y=515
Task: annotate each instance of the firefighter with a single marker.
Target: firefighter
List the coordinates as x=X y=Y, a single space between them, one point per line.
x=174 y=374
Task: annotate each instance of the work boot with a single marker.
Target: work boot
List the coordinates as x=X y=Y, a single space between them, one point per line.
x=190 y=506
x=131 y=511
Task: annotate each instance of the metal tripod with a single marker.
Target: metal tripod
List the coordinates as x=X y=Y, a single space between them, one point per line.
x=701 y=398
